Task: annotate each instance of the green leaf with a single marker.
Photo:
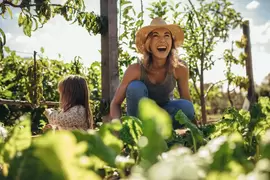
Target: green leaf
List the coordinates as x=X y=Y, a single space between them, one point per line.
x=239 y=44
x=3 y=36
x=183 y=119
x=156 y=127
x=42 y=50
x=149 y=110
x=131 y=130
x=18 y=140
x=108 y=138
x=123 y=2
x=9 y=11
x=21 y=19
x=140 y=15
x=62 y=155
x=7 y=93
x=7 y=49
x=96 y=146
x=36 y=24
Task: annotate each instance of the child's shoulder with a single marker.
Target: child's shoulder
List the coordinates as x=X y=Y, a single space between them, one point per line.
x=77 y=108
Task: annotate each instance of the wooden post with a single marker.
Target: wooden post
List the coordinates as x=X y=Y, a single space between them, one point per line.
x=109 y=50
x=249 y=71
x=104 y=54
x=113 y=47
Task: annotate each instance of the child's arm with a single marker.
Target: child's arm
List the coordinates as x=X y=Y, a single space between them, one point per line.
x=73 y=118
x=51 y=115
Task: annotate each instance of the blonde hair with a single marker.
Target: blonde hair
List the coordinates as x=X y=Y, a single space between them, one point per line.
x=73 y=91
x=172 y=59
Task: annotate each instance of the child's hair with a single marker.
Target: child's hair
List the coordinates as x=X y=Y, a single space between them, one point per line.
x=73 y=91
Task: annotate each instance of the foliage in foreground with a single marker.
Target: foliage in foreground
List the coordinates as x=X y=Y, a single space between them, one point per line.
x=237 y=147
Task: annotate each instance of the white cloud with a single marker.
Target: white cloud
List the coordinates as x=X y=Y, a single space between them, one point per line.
x=262 y=49
x=252 y=5
x=260 y=34
x=8 y=36
x=25 y=39
x=45 y=37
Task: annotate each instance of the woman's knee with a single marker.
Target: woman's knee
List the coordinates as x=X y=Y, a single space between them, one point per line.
x=187 y=108
x=137 y=88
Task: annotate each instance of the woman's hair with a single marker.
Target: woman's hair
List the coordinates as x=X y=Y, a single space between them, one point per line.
x=74 y=91
x=172 y=59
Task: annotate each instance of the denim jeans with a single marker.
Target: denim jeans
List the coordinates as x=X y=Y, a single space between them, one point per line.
x=137 y=90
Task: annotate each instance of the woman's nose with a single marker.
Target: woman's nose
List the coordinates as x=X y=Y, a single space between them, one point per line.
x=162 y=39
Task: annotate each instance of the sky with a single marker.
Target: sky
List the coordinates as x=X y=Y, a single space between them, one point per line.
x=60 y=37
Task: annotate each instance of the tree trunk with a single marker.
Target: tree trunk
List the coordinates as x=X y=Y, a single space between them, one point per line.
x=229 y=95
x=202 y=99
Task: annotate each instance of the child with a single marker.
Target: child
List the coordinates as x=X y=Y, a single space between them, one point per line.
x=74 y=103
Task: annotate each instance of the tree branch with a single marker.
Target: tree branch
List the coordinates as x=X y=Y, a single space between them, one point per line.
x=27 y=5
x=195 y=87
x=196 y=13
x=212 y=85
x=6 y=2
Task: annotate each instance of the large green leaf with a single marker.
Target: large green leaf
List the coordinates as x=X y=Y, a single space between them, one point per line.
x=96 y=146
x=18 y=140
x=156 y=127
x=63 y=156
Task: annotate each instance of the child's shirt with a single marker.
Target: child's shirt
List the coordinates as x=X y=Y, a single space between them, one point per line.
x=73 y=118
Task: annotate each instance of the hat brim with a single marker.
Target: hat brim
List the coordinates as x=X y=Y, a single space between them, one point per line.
x=141 y=35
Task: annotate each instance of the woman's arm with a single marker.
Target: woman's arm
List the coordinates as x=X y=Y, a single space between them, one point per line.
x=132 y=73
x=182 y=77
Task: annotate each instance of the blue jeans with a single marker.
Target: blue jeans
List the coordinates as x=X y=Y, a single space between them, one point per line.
x=137 y=90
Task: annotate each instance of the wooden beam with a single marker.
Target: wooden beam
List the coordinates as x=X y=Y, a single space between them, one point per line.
x=26 y=103
x=113 y=47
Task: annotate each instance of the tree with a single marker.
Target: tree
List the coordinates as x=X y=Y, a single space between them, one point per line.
x=205 y=26
x=35 y=15
x=230 y=60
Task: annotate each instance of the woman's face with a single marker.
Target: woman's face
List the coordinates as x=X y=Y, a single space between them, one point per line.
x=161 y=42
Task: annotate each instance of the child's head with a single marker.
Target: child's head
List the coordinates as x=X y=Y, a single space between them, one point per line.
x=73 y=91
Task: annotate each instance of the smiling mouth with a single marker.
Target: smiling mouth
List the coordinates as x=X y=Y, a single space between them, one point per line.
x=162 y=48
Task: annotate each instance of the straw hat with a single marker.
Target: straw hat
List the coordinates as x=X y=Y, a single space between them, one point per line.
x=141 y=35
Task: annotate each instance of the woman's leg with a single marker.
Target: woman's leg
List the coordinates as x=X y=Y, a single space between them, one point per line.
x=174 y=106
x=135 y=91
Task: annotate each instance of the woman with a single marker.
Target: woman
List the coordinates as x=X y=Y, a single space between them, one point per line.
x=157 y=74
